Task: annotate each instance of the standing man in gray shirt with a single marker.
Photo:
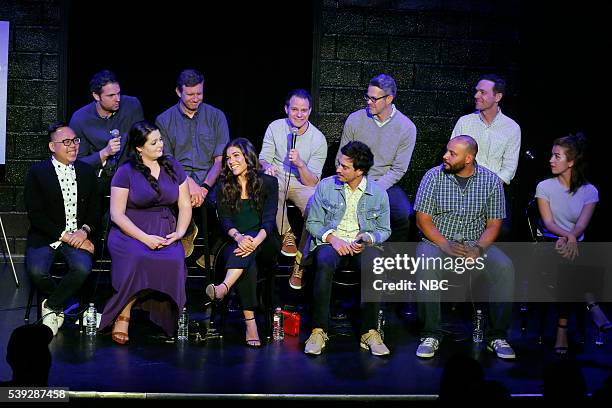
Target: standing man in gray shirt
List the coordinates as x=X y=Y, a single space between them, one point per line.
x=195 y=134
x=297 y=164
x=391 y=136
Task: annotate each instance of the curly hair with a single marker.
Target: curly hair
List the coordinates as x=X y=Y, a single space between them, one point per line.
x=230 y=187
x=360 y=154
x=139 y=133
x=575 y=146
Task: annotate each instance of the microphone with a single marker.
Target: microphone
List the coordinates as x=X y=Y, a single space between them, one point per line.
x=112 y=159
x=294 y=133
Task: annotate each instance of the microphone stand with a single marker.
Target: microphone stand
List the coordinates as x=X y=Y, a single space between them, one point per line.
x=294 y=132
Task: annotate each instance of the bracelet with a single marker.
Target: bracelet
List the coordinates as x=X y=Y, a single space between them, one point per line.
x=206 y=186
x=86 y=228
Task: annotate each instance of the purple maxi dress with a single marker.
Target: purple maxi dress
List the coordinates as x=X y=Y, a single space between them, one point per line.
x=134 y=266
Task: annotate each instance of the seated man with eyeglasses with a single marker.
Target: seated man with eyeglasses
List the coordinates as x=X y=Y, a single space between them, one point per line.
x=391 y=136
x=62 y=204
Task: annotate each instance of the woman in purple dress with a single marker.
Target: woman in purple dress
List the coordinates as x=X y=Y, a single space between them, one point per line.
x=148 y=261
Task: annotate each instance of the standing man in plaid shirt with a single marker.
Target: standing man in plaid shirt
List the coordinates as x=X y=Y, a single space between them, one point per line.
x=463 y=201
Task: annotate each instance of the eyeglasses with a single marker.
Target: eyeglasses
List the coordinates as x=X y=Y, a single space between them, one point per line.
x=373 y=99
x=68 y=142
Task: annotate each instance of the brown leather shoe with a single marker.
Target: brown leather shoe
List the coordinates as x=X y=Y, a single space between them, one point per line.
x=295 y=280
x=289 y=248
x=188 y=239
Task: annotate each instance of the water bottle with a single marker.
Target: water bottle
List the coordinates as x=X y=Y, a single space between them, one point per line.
x=278 y=333
x=477 y=335
x=91 y=320
x=183 y=326
x=380 y=324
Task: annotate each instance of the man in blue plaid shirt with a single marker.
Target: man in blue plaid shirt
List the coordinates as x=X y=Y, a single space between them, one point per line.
x=460 y=207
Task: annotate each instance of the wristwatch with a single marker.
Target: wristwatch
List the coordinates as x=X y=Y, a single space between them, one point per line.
x=206 y=186
x=481 y=250
x=86 y=228
x=234 y=234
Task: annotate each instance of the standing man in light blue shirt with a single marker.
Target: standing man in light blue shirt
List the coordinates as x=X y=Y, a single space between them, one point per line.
x=498 y=136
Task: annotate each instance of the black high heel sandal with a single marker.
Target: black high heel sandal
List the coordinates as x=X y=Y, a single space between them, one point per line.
x=561 y=350
x=604 y=327
x=212 y=293
x=250 y=342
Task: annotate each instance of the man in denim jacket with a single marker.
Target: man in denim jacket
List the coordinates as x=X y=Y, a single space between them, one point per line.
x=348 y=215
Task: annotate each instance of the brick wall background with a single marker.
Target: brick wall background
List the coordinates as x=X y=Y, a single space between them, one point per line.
x=436 y=50
x=35 y=99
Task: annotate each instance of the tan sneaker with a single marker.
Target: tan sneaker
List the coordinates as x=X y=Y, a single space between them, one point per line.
x=295 y=280
x=188 y=239
x=373 y=342
x=316 y=342
x=289 y=248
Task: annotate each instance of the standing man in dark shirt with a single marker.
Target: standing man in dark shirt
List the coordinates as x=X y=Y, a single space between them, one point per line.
x=102 y=124
x=195 y=134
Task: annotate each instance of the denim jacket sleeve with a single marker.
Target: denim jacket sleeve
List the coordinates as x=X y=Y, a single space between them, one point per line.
x=382 y=227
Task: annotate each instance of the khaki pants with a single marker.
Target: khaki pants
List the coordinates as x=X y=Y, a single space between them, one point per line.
x=300 y=195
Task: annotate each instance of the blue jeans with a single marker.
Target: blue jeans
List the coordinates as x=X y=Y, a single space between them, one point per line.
x=400 y=211
x=499 y=272
x=39 y=262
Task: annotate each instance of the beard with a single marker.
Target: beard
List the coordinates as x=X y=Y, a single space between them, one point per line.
x=454 y=168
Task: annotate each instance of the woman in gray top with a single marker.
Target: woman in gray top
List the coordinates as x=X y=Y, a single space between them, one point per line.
x=566 y=203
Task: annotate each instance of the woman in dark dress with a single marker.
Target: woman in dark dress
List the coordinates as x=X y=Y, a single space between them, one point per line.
x=247 y=201
x=148 y=261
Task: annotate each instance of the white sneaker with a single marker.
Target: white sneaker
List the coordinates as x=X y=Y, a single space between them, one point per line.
x=60 y=316
x=50 y=318
x=428 y=347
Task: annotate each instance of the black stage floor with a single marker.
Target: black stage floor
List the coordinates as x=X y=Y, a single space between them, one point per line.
x=225 y=368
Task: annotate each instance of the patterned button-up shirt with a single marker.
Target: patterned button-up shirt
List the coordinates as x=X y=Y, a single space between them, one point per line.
x=499 y=143
x=67 y=180
x=461 y=211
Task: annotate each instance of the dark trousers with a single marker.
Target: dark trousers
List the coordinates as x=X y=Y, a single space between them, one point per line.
x=327 y=262
x=266 y=254
x=401 y=211
x=499 y=272
x=38 y=265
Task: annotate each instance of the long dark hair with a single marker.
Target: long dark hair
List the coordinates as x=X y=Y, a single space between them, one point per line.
x=574 y=146
x=139 y=133
x=230 y=187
